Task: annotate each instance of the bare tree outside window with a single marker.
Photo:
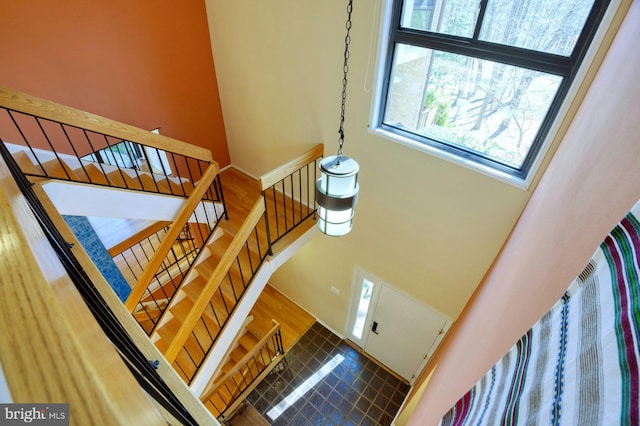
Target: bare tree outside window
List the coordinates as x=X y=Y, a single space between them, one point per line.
x=484 y=78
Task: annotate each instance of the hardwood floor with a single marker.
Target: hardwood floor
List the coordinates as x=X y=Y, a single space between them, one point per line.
x=240 y=193
x=294 y=321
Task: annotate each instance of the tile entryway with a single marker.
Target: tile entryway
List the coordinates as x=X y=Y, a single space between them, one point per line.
x=324 y=381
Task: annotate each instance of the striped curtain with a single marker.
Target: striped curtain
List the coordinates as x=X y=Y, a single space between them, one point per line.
x=578 y=365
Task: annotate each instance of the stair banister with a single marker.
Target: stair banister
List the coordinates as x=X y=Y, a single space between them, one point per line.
x=172 y=234
x=234 y=343
x=214 y=280
x=214 y=386
x=281 y=172
x=38 y=107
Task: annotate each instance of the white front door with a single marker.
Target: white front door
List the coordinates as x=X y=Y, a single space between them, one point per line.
x=393 y=328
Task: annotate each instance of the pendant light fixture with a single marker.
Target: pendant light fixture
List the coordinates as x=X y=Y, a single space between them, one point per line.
x=337 y=188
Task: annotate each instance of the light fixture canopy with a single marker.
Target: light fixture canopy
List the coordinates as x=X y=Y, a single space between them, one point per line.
x=337 y=189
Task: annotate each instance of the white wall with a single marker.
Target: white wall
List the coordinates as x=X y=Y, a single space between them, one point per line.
x=426 y=226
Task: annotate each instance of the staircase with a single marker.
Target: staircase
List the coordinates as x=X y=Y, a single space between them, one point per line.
x=248 y=360
x=86 y=171
x=193 y=305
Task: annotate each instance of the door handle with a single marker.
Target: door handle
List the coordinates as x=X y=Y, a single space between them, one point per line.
x=374 y=327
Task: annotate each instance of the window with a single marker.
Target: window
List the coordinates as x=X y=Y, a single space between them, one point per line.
x=481 y=81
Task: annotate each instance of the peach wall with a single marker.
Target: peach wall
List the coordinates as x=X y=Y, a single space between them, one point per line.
x=147 y=63
x=592 y=181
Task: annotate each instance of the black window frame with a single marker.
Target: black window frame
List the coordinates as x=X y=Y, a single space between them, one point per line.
x=566 y=67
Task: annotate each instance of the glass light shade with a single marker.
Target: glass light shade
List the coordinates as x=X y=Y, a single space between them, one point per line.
x=337 y=194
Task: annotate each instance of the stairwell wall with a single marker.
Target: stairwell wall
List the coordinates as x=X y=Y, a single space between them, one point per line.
x=424 y=225
x=430 y=228
x=146 y=63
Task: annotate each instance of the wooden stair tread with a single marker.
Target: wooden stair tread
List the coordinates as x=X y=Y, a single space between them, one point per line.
x=150 y=310
x=207 y=266
x=248 y=340
x=163 y=186
x=194 y=287
x=181 y=309
x=199 y=339
x=122 y=180
x=164 y=291
x=186 y=187
x=148 y=183
x=95 y=174
x=26 y=165
x=132 y=182
x=60 y=170
x=170 y=187
x=218 y=247
x=168 y=329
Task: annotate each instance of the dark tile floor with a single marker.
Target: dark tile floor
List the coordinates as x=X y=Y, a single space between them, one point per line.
x=355 y=392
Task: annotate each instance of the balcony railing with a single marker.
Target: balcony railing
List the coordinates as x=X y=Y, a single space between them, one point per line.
x=189 y=333
x=289 y=193
x=74 y=352
x=53 y=141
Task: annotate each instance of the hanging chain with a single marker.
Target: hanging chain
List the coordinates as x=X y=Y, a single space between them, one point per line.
x=345 y=69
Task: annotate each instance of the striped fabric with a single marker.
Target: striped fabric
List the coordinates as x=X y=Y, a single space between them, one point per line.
x=579 y=364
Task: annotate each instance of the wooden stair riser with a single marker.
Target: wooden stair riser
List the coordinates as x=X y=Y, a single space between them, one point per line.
x=95 y=175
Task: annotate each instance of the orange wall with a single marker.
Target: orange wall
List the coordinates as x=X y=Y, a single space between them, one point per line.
x=147 y=63
x=592 y=181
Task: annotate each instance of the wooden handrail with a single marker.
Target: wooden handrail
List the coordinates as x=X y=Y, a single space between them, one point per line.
x=172 y=235
x=137 y=237
x=52 y=349
x=32 y=105
x=214 y=281
x=217 y=384
x=276 y=175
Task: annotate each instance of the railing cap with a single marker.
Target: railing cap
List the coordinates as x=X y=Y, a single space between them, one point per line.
x=38 y=107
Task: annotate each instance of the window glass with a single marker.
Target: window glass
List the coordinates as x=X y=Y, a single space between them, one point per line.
x=457 y=18
x=482 y=106
x=363 y=308
x=542 y=25
x=482 y=80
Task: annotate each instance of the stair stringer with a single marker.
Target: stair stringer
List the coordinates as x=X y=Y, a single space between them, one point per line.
x=279 y=258
x=227 y=335
x=83 y=199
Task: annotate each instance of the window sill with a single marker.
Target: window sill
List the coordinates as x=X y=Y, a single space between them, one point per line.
x=453 y=158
